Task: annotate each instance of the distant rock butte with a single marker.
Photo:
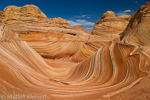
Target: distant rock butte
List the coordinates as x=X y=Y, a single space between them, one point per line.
x=31 y=14
x=110 y=24
x=80 y=28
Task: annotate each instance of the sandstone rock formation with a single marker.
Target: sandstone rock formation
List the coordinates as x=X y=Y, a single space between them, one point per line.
x=30 y=14
x=80 y=28
x=138 y=32
x=25 y=71
x=110 y=24
x=84 y=68
x=126 y=17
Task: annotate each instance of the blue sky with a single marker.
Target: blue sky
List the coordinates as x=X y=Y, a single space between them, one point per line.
x=80 y=12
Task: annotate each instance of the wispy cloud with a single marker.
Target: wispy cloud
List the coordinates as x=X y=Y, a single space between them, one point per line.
x=82 y=16
x=82 y=22
x=125 y=12
x=85 y=22
x=88 y=28
x=73 y=23
x=136 y=2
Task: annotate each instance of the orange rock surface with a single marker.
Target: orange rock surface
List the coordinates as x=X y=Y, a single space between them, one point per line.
x=80 y=28
x=31 y=14
x=110 y=24
x=103 y=75
x=138 y=32
x=61 y=66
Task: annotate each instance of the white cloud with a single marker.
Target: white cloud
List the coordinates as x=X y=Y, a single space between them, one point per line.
x=125 y=12
x=121 y=14
x=82 y=16
x=88 y=28
x=84 y=23
x=73 y=23
x=80 y=22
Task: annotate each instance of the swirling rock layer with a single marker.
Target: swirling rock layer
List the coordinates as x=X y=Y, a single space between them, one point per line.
x=102 y=75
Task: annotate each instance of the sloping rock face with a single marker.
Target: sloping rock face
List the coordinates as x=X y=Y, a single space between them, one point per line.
x=138 y=31
x=1 y=12
x=80 y=28
x=110 y=24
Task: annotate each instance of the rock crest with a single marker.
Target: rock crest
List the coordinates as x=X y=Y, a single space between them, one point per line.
x=80 y=28
x=137 y=32
x=31 y=14
x=110 y=24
